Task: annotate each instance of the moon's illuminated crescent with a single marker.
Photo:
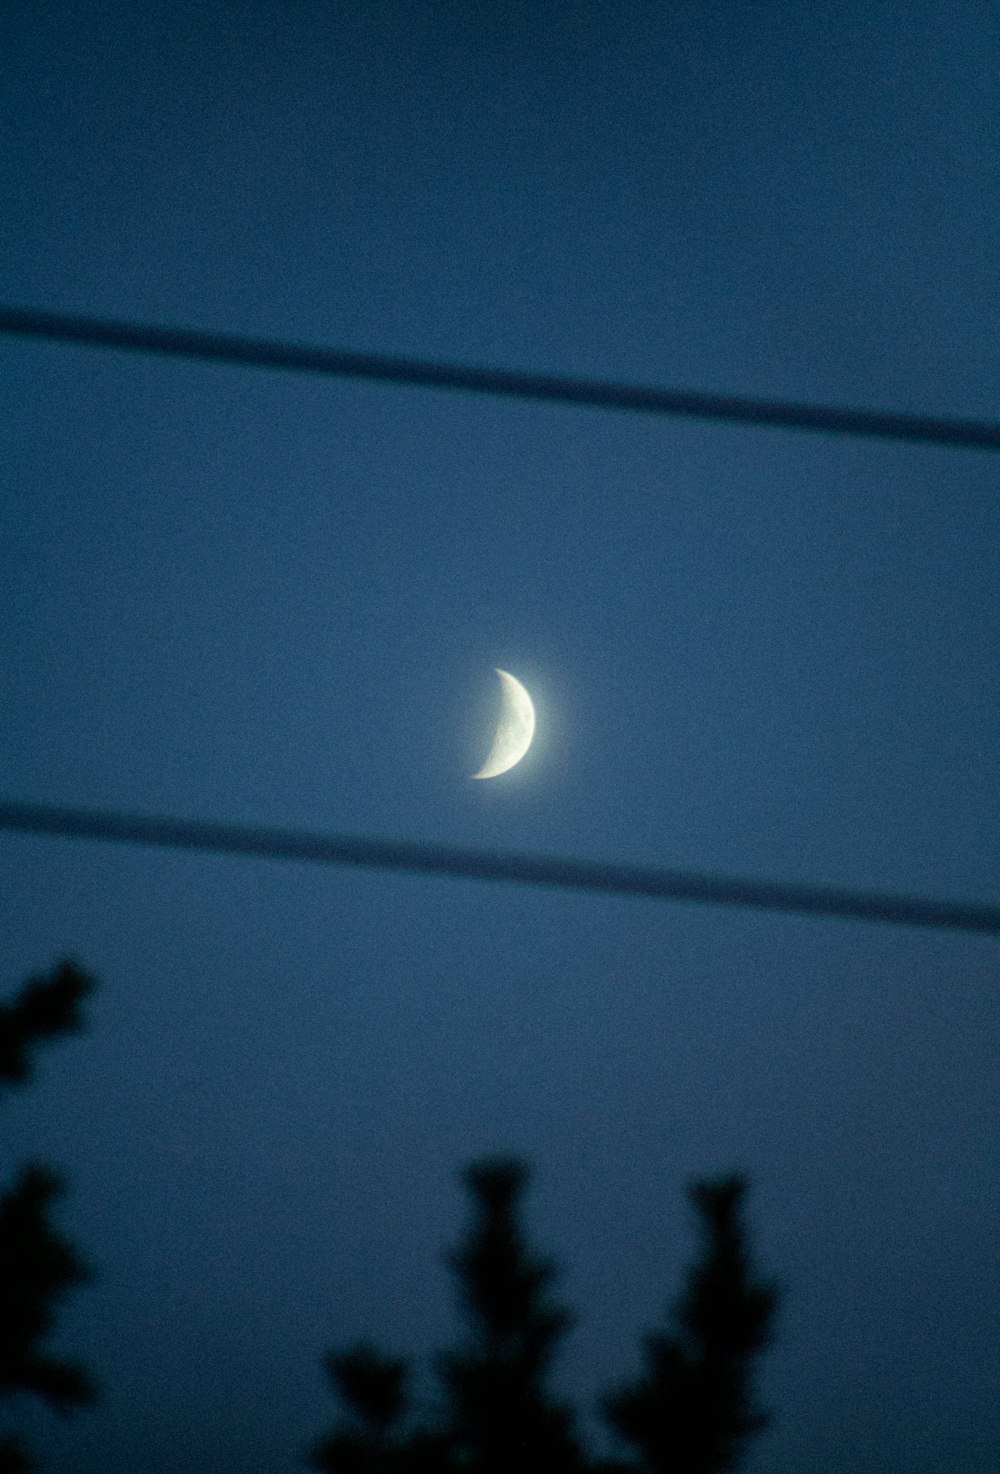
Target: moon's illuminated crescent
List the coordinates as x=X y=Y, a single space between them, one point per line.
x=515 y=729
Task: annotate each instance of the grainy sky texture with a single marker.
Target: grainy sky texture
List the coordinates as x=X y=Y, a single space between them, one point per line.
x=239 y=595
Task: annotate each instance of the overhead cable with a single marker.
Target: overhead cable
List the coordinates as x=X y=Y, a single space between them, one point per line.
x=551 y=388
x=466 y=864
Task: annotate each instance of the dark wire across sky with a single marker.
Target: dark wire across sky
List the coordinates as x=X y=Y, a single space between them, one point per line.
x=502 y=383
x=570 y=874
x=467 y=864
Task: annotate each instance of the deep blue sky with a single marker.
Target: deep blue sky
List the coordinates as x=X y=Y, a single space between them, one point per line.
x=236 y=595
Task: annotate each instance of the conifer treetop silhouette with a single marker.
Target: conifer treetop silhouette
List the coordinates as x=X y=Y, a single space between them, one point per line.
x=498 y=1407
x=690 y=1412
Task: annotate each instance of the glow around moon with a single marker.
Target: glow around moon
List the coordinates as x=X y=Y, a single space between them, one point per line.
x=515 y=728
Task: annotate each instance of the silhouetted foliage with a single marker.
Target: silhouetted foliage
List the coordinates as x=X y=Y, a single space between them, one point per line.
x=38 y=1266
x=45 y=1008
x=498 y=1409
x=693 y=1410
x=372 y=1389
x=690 y=1413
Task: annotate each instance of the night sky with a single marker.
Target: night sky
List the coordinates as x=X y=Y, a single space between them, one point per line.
x=238 y=595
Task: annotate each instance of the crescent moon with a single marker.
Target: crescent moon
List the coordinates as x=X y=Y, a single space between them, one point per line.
x=515 y=728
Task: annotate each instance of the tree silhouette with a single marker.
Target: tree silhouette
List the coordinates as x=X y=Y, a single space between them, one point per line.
x=691 y=1412
x=693 y=1409
x=37 y=1264
x=497 y=1405
x=371 y=1388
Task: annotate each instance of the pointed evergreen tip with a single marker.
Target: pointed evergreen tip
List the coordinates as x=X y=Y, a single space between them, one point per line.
x=496 y=1181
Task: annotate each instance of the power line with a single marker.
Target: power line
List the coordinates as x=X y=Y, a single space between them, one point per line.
x=552 y=388
x=470 y=864
x=565 y=874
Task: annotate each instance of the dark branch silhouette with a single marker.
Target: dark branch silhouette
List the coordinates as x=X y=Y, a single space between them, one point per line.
x=45 y=1008
x=38 y=1266
x=372 y=1391
x=691 y=1412
x=497 y=1406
